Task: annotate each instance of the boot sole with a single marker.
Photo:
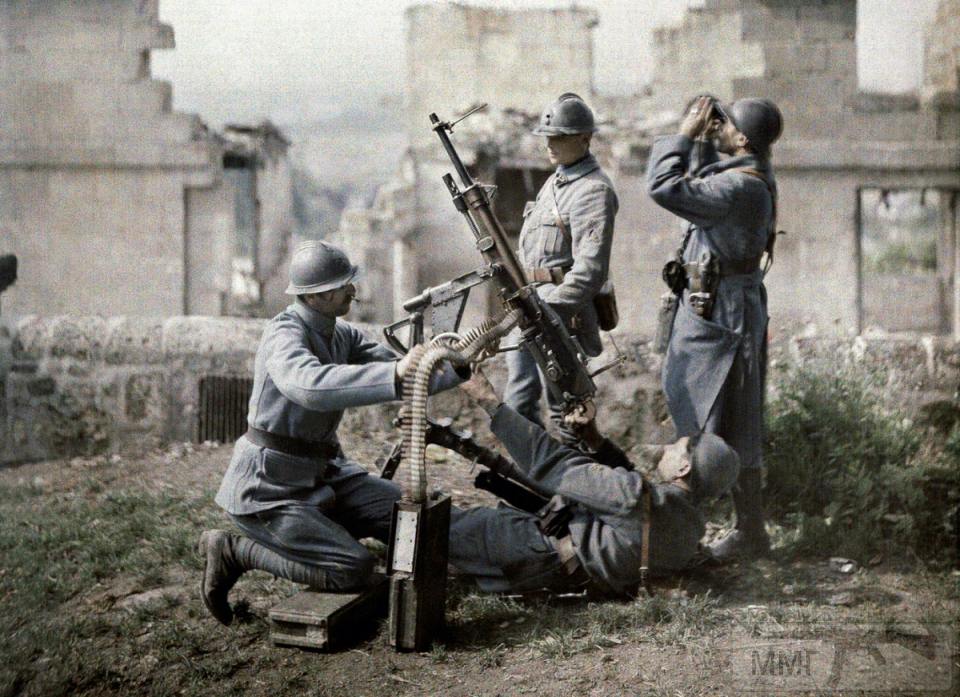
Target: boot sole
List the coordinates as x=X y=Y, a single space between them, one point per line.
x=202 y=549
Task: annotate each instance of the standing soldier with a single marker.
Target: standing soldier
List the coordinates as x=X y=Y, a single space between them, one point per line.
x=565 y=246
x=716 y=360
x=300 y=503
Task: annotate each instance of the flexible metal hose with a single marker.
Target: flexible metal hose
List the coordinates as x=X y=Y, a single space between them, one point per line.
x=458 y=350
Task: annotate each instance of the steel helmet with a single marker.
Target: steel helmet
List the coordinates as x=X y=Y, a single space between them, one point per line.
x=568 y=115
x=715 y=465
x=758 y=119
x=318 y=266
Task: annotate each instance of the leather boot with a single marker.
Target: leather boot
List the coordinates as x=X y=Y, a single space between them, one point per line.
x=227 y=557
x=749 y=538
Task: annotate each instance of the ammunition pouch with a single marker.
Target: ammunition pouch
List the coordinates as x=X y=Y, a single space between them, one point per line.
x=703 y=279
x=675 y=276
x=605 y=304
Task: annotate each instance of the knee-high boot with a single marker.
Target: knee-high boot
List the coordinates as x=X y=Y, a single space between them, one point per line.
x=228 y=556
x=749 y=538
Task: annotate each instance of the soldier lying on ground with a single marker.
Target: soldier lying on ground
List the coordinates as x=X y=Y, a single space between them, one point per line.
x=507 y=550
x=300 y=502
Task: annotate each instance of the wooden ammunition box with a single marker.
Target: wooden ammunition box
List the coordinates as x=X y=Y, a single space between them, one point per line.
x=325 y=621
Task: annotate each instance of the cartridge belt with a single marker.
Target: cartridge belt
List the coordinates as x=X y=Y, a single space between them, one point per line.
x=542 y=274
x=297 y=447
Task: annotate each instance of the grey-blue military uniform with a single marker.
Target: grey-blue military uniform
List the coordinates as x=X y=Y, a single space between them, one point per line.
x=308 y=369
x=714 y=370
x=505 y=551
x=587 y=204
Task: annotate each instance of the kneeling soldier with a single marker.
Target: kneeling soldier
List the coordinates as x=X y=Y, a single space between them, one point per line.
x=617 y=525
x=300 y=502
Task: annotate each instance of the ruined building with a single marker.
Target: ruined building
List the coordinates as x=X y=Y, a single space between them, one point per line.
x=114 y=203
x=859 y=174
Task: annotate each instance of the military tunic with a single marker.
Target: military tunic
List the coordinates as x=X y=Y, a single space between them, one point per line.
x=308 y=369
x=714 y=370
x=504 y=549
x=588 y=205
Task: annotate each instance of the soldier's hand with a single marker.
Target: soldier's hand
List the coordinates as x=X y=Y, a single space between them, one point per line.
x=697 y=119
x=481 y=391
x=582 y=420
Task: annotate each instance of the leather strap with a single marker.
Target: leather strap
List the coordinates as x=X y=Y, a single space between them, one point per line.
x=542 y=274
x=772 y=228
x=297 y=447
x=645 y=538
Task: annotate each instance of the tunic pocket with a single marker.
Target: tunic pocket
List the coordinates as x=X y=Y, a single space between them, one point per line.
x=555 y=242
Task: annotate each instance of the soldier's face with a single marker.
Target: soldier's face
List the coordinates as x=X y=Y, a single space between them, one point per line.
x=565 y=150
x=333 y=303
x=728 y=139
x=675 y=462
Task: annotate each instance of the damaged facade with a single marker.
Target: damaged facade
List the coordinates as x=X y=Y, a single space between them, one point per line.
x=139 y=206
x=841 y=150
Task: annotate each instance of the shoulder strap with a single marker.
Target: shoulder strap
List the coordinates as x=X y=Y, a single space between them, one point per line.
x=556 y=208
x=772 y=228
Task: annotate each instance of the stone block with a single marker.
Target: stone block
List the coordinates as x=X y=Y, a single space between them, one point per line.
x=143 y=397
x=134 y=341
x=31 y=338
x=82 y=338
x=830 y=21
x=41 y=386
x=766 y=24
x=213 y=338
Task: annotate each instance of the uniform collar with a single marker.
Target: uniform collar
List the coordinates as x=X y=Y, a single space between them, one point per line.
x=313 y=319
x=758 y=163
x=582 y=167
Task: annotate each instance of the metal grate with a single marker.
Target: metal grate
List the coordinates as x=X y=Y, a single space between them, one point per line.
x=223 y=408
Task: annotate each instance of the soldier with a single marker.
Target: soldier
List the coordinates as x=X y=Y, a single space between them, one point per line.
x=600 y=541
x=565 y=246
x=716 y=360
x=300 y=503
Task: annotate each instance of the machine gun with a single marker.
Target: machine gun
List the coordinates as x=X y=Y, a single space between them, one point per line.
x=543 y=333
x=417 y=553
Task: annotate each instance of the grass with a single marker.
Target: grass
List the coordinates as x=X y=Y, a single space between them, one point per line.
x=565 y=626
x=58 y=551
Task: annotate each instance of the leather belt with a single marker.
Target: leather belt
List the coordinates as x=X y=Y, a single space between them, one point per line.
x=542 y=274
x=297 y=447
x=737 y=268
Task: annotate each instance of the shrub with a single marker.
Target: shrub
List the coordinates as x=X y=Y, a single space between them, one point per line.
x=851 y=475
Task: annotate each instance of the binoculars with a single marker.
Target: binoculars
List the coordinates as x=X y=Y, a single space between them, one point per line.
x=716 y=109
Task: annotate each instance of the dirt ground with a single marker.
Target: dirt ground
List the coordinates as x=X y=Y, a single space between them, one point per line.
x=783 y=626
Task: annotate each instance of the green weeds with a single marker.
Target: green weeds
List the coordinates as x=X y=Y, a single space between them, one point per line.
x=847 y=475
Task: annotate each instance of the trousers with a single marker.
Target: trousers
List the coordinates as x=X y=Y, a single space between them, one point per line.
x=326 y=535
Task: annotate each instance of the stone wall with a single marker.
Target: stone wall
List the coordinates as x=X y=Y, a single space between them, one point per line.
x=83 y=385
x=458 y=55
x=95 y=167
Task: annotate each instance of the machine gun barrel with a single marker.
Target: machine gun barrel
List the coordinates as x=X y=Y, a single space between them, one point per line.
x=544 y=334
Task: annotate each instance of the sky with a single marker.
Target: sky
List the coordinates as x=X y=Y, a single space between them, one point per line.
x=290 y=60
